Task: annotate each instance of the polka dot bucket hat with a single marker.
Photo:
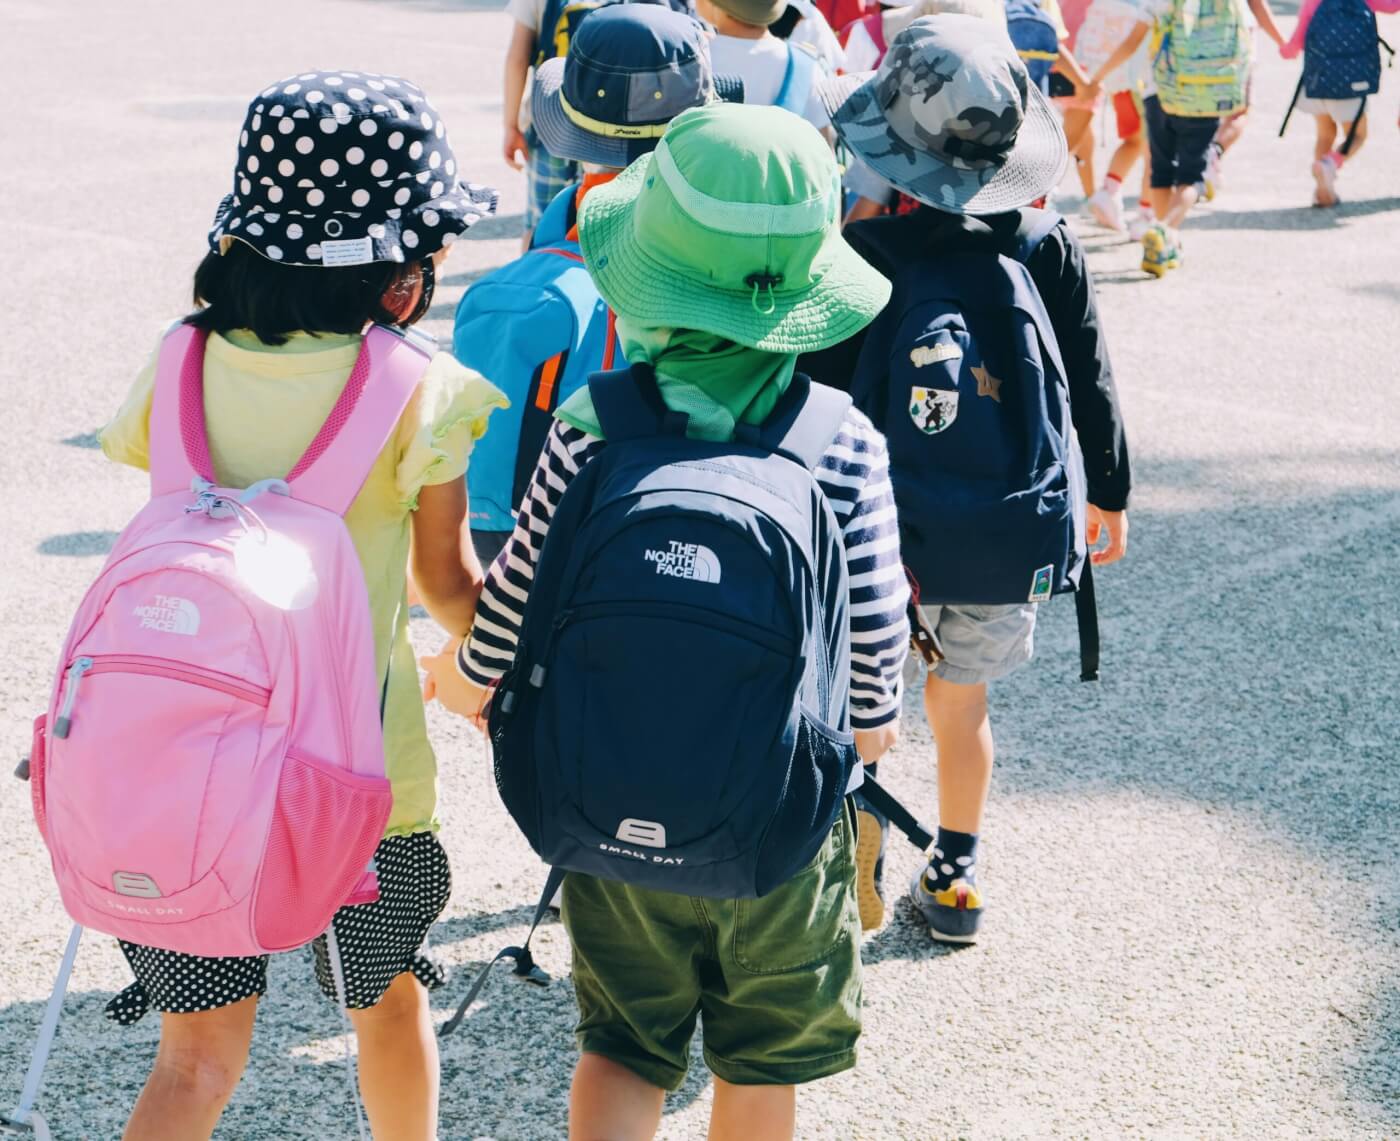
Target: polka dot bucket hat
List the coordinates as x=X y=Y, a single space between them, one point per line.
x=344 y=168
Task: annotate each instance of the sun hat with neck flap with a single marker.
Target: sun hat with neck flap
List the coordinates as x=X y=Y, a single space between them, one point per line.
x=732 y=227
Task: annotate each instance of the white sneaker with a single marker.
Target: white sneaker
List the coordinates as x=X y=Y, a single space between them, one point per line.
x=1107 y=209
x=1140 y=223
x=1325 y=175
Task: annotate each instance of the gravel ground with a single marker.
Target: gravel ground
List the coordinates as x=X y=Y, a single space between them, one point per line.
x=1195 y=904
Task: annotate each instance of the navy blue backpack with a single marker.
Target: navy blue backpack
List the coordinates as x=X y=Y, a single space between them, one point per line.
x=963 y=374
x=676 y=717
x=1036 y=39
x=1342 y=51
x=1341 y=58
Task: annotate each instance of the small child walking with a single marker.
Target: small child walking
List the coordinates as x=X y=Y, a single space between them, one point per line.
x=346 y=198
x=777 y=977
x=1341 y=122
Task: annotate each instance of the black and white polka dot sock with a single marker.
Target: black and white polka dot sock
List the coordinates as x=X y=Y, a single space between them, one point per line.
x=954 y=857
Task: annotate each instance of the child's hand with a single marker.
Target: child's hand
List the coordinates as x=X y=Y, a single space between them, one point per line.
x=1112 y=526
x=446 y=683
x=515 y=144
x=872 y=744
x=1289 y=51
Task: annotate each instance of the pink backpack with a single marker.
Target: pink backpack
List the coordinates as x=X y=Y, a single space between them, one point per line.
x=209 y=777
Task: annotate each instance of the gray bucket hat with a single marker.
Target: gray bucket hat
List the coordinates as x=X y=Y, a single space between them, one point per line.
x=952 y=119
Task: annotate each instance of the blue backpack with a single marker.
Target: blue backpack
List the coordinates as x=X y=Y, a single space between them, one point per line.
x=676 y=717
x=1341 y=52
x=536 y=328
x=1036 y=39
x=963 y=375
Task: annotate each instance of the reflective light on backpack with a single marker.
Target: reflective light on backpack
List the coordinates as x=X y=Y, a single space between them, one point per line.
x=276 y=569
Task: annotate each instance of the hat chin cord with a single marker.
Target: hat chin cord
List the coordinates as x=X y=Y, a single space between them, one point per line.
x=764 y=281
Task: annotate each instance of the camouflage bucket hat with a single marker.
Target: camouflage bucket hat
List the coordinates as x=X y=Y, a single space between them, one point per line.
x=952 y=119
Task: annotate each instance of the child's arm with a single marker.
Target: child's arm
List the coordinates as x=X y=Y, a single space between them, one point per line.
x=445 y=568
x=1069 y=67
x=1294 y=46
x=1122 y=54
x=1265 y=15
x=1059 y=269
x=519 y=55
x=461 y=675
x=879 y=592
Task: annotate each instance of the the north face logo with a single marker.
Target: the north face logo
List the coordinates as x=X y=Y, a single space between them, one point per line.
x=169 y=615
x=686 y=560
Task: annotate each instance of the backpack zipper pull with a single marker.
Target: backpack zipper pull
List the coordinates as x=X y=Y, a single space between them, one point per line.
x=74 y=678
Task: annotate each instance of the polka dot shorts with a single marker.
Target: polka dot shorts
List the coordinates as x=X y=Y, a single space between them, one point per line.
x=378 y=942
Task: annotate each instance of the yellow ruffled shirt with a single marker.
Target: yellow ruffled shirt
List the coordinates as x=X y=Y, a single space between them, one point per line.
x=263 y=405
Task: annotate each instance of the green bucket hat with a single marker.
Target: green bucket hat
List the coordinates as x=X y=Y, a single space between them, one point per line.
x=732 y=227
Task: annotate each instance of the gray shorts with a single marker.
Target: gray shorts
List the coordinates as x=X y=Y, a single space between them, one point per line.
x=982 y=643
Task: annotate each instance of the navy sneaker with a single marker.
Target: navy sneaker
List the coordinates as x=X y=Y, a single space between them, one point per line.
x=872 y=837
x=952 y=914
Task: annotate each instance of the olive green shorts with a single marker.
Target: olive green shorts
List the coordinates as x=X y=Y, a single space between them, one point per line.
x=777 y=979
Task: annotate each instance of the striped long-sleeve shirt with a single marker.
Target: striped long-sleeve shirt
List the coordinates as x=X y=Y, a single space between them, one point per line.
x=854 y=474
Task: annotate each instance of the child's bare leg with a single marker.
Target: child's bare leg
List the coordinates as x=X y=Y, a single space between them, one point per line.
x=198 y=1065
x=1179 y=202
x=753 y=1113
x=399 y=1062
x=1326 y=136
x=608 y=1102
x=1356 y=140
x=1079 y=131
x=957 y=714
x=1231 y=130
x=1127 y=154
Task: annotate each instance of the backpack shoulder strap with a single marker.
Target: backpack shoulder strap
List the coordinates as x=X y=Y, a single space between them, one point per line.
x=179 y=445
x=797 y=80
x=630 y=407
x=1036 y=226
x=803 y=423
x=340 y=458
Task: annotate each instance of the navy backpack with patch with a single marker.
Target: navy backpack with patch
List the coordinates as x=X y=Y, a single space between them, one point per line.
x=963 y=374
x=676 y=717
x=1036 y=39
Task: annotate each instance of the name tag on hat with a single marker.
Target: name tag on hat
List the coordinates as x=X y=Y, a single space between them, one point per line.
x=347 y=251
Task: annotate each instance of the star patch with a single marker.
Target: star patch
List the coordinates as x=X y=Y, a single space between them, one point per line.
x=987 y=384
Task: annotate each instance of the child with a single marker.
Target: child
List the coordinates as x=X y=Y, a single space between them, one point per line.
x=1200 y=76
x=1345 y=117
x=531 y=44
x=364 y=177
x=930 y=143
x=660 y=51
x=781 y=999
x=775 y=72
x=1106 y=24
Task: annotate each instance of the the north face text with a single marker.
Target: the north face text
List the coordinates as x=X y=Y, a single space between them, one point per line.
x=169 y=615
x=686 y=560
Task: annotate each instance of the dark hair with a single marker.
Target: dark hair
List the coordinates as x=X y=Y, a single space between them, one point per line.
x=241 y=289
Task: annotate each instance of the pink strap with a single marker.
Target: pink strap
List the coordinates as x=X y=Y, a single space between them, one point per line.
x=340 y=458
x=179 y=447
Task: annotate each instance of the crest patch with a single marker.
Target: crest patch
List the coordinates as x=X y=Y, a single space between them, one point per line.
x=933 y=409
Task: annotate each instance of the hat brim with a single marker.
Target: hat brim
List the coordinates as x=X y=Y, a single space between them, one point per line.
x=847 y=297
x=1032 y=169
x=416 y=233
x=565 y=139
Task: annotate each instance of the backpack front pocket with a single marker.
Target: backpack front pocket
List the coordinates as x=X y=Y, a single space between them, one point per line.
x=325 y=827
